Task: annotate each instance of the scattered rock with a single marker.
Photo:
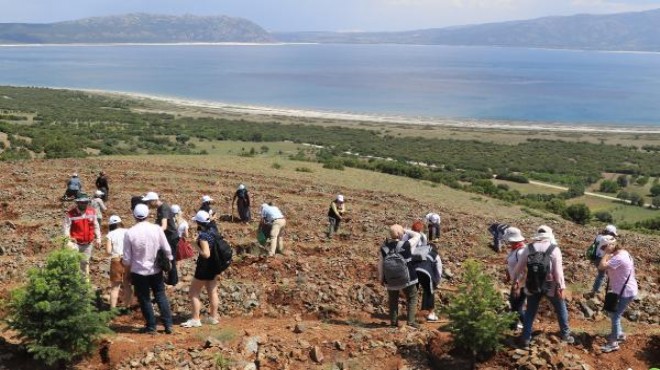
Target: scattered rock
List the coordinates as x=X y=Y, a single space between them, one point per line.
x=316 y=355
x=299 y=328
x=339 y=345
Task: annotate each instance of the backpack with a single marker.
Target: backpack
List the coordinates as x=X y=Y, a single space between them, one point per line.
x=242 y=193
x=135 y=200
x=591 y=253
x=395 y=267
x=221 y=255
x=538 y=268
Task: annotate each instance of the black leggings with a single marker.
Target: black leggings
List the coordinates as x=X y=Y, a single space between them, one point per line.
x=428 y=298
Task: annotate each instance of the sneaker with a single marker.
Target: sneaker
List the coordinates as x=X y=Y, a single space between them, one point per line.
x=146 y=330
x=169 y=330
x=523 y=343
x=622 y=337
x=432 y=317
x=568 y=339
x=519 y=326
x=610 y=347
x=211 y=320
x=192 y=323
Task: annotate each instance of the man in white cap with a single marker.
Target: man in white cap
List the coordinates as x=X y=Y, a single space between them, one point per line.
x=335 y=214
x=83 y=230
x=540 y=265
x=273 y=217
x=433 y=225
x=141 y=245
x=600 y=252
x=165 y=219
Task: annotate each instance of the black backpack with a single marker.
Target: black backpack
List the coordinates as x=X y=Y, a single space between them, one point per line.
x=538 y=268
x=135 y=200
x=221 y=255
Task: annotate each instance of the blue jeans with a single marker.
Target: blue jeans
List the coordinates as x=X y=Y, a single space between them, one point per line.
x=616 y=318
x=143 y=286
x=533 y=302
x=599 y=278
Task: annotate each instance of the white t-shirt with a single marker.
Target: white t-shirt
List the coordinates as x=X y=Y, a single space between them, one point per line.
x=116 y=238
x=512 y=260
x=433 y=218
x=182 y=228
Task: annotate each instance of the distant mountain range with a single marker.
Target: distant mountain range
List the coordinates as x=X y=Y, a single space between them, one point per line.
x=638 y=31
x=136 y=28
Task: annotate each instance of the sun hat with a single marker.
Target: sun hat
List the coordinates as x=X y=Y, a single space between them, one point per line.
x=606 y=240
x=202 y=217
x=206 y=198
x=141 y=211
x=82 y=198
x=340 y=198
x=176 y=209
x=150 y=196
x=611 y=229
x=544 y=232
x=513 y=235
x=98 y=193
x=241 y=187
x=114 y=219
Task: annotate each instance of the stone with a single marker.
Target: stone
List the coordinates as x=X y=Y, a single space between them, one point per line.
x=632 y=315
x=251 y=345
x=250 y=366
x=339 y=345
x=446 y=272
x=299 y=328
x=316 y=355
x=586 y=310
x=212 y=342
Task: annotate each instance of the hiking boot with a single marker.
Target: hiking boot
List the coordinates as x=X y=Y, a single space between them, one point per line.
x=569 y=339
x=147 y=330
x=169 y=330
x=432 y=317
x=610 y=347
x=192 y=323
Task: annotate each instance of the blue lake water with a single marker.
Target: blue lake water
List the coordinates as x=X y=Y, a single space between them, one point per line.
x=417 y=81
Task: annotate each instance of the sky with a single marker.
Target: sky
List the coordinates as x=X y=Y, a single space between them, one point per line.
x=324 y=15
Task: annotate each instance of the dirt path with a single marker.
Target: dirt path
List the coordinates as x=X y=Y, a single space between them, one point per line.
x=588 y=193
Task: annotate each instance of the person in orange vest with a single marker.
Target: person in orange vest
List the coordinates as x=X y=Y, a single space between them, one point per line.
x=83 y=230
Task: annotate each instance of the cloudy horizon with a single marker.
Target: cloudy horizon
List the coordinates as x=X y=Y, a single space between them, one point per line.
x=325 y=15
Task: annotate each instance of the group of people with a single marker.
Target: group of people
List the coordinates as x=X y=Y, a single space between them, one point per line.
x=535 y=270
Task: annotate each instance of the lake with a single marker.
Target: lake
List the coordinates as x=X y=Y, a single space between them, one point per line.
x=485 y=83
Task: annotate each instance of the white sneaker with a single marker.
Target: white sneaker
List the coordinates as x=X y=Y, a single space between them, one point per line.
x=211 y=320
x=519 y=326
x=432 y=317
x=192 y=323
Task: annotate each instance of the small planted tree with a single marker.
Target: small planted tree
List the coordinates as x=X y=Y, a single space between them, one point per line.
x=475 y=312
x=578 y=213
x=54 y=313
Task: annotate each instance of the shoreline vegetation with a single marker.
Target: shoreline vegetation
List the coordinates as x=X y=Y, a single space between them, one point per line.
x=502 y=162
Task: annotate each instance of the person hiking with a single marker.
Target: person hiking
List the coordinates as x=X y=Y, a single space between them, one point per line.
x=102 y=185
x=513 y=236
x=397 y=273
x=540 y=267
x=119 y=274
x=207 y=201
x=428 y=266
x=183 y=232
x=142 y=243
x=433 y=225
x=73 y=187
x=272 y=217
x=242 y=199
x=99 y=205
x=205 y=273
x=610 y=230
x=165 y=219
x=335 y=214
x=497 y=230
x=622 y=284
x=82 y=228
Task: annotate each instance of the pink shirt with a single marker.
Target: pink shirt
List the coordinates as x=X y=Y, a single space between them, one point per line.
x=556 y=275
x=141 y=243
x=619 y=267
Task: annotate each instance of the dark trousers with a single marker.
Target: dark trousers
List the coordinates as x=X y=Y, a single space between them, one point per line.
x=411 y=298
x=428 y=298
x=333 y=225
x=143 y=286
x=517 y=304
x=434 y=231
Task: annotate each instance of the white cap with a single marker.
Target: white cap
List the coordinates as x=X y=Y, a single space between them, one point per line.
x=114 y=219
x=75 y=174
x=513 y=235
x=340 y=198
x=202 y=216
x=150 y=196
x=241 y=187
x=606 y=240
x=206 y=198
x=176 y=209
x=141 y=211
x=98 y=193
x=544 y=232
x=611 y=229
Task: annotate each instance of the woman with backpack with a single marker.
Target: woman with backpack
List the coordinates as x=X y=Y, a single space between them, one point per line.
x=622 y=287
x=397 y=272
x=242 y=199
x=428 y=268
x=205 y=273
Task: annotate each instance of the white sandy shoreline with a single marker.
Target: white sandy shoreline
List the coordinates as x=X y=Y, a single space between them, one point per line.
x=221 y=107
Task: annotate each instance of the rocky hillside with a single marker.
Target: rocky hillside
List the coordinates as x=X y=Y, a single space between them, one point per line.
x=136 y=28
x=319 y=305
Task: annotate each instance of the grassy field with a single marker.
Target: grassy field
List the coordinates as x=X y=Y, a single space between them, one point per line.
x=620 y=212
x=528 y=188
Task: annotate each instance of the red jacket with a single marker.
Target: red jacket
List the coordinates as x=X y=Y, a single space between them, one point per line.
x=82 y=228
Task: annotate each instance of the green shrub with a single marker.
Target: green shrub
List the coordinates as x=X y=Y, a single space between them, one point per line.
x=578 y=213
x=609 y=186
x=475 y=316
x=655 y=202
x=333 y=165
x=303 y=169
x=513 y=177
x=655 y=190
x=604 y=217
x=276 y=166
x=54 y=313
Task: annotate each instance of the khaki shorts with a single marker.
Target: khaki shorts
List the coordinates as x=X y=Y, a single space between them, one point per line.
x=117 y=270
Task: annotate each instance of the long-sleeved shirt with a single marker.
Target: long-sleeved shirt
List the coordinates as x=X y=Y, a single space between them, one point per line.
x=556 y=275
x=141 y=244
x=67 y=226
